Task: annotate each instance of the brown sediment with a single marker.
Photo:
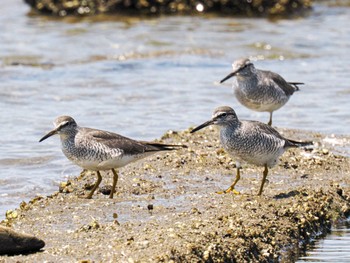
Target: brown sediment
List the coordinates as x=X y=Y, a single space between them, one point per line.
x=232 y=7
x=166 y=208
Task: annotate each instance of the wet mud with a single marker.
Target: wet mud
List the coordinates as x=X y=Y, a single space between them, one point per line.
x=166 y=208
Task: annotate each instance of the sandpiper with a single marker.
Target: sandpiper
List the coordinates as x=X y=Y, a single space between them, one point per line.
x=250 y=141
x=260 y=90
x=98 y=150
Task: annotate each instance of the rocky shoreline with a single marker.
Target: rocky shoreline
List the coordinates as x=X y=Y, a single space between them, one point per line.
x=147 y=7
x=167 y=209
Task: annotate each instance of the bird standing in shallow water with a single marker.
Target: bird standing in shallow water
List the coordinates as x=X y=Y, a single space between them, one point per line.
x=250 y=141
x=260 y=90
x=99 y=150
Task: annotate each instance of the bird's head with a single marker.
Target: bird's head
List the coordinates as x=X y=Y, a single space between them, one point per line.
x=63 y=125
x=241 y=67
x=222 y=116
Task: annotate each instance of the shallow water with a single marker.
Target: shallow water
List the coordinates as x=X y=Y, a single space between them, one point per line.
x=334 y=248
x=143 y=76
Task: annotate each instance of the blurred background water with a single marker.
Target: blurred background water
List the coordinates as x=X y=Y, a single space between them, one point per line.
x=143 y=76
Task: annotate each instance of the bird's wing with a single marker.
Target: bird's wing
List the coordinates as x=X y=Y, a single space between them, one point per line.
x=126 y=145
x=280 y=82
x=265 y=131
x=115 y=141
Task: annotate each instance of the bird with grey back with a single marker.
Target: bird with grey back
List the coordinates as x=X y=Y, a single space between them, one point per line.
x=98 y=150
x=249 y=141
x=260 y=90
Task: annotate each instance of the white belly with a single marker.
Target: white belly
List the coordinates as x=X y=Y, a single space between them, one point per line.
x=96 y=165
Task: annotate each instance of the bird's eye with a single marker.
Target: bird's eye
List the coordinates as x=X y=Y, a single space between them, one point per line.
x=223 y=114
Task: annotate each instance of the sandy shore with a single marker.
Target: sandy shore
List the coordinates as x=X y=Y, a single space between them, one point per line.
x=167 y=209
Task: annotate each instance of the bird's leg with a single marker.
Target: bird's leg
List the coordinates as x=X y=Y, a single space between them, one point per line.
x=115 y=180
x=99 y=179
x=266 y=170
x=270 y=121
x=232 y=186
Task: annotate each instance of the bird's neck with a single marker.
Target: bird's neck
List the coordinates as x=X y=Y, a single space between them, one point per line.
x=227 y=131
x=67 y=139
x=247 y=81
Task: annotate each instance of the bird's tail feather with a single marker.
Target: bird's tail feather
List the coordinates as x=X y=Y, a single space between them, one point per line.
x=295 y=84
x=155 y=146
x=293 y=143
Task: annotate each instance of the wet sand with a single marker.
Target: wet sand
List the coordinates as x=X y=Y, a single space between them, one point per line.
x=167 y=209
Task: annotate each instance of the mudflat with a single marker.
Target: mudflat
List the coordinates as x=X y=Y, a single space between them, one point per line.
x=166 y=208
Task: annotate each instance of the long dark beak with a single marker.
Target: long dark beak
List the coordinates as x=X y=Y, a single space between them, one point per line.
x=53 y=132
x=207 y=123
x=228 y=76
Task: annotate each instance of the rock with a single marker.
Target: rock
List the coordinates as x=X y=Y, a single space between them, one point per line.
x=12 y=242
x=189 y=221
x=233 y=7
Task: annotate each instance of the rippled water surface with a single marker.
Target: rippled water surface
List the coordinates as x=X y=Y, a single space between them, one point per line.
x=334 y=248
x=143 y=76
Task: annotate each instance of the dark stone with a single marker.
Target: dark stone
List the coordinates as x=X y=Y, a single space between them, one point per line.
x=340 y=192
x=12 y=242
x=106 y=190
x=287 y=195
x=229 y=7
